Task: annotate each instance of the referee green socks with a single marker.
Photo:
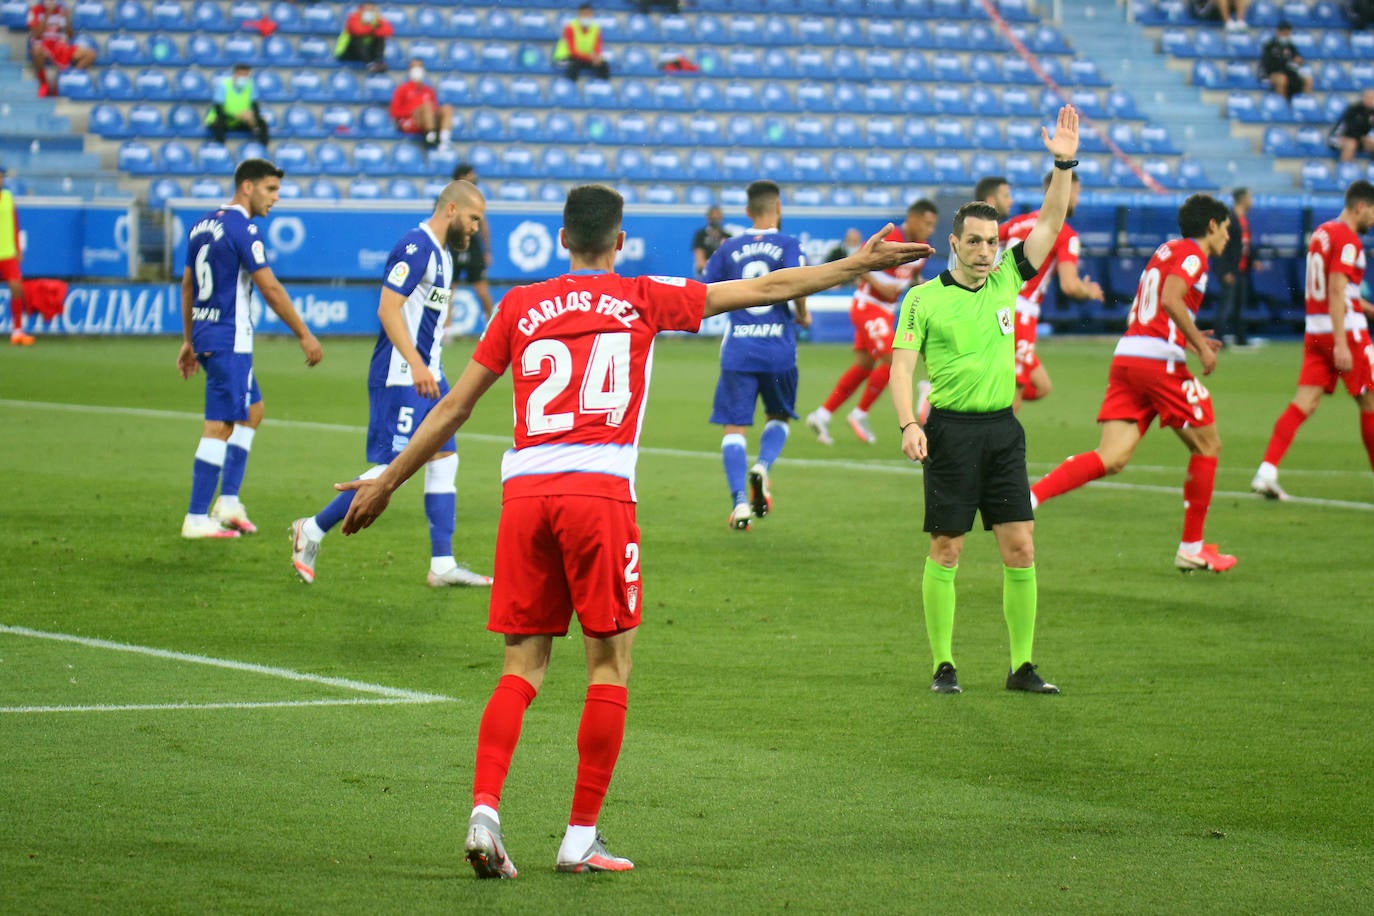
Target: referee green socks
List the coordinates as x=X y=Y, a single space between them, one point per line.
x=1018 y=607
x=937 y=595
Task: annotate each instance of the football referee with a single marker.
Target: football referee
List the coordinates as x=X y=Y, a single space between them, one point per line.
x=962 y=323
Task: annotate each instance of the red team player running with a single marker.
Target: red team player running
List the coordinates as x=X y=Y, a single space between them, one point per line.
x=872 y=315
x=1149 y=377
x=1336 y=345
x=581 y=348
x=1032 y=381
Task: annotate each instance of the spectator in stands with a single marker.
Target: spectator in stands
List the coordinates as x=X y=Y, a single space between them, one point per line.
x=579 y=47
x=1361 y=13
x=853 y=241
x=1230 y=13
x=708 y=238
x=995 y=191
x=50 y=40
x=416 y=110
x=234 y=107
x=11 y=254
x=1233 y=267
x=1281 y=64
x=666 y=6
x=364 y=38
x=472 y=262
x=1351 y=133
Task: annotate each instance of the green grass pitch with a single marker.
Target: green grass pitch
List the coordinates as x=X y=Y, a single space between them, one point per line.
x=225 y=739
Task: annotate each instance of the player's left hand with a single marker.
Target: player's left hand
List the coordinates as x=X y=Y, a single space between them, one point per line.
x=1064 y=143
x=313 y=351
x=186 y=361
x=370 y=500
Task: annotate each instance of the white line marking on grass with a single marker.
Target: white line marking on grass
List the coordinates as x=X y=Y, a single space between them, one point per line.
x=889 y=467
x=383 y=695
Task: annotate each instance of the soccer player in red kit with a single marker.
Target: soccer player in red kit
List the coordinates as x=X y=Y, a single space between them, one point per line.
x=872 y=314
x=581 y=348
x=1032 y=381
x=1149 y=377
x=1336 y=345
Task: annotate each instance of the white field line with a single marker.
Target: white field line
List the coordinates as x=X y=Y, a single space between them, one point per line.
x=889 y=467
x=382 y=695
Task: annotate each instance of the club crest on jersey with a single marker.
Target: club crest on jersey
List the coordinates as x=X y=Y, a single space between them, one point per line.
x=632 y=597
x=1004 y=321
x=412 y=248
x=398 y=273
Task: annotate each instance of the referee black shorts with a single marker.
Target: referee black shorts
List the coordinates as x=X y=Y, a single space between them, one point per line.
x=977 y=463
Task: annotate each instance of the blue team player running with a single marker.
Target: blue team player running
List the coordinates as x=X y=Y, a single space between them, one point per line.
x=406 y=379
x=758 y=355
x=225 y=259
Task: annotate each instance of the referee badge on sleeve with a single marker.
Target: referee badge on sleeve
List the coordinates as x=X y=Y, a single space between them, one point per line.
x=1004 y=321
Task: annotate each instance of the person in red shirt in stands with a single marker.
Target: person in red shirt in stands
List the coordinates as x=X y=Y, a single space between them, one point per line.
x=416 y=110
x=364 y=38
x=50 y=39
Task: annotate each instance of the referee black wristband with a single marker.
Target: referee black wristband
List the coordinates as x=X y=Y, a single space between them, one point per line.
x=1065 y=164
x=905 y=425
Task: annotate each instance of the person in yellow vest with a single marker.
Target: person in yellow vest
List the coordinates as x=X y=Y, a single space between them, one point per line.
x=11 y=253
x=579 y=48
x=235 y=108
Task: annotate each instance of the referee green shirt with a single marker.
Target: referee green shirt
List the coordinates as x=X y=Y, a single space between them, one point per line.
x=967 y=336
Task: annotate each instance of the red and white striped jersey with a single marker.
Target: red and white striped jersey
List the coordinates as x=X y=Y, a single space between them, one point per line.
x=1065 y=251
x=1150 y=332
x=1334 y=249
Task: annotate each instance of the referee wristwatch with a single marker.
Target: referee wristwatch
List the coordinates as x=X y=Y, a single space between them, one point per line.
x=1065 y=164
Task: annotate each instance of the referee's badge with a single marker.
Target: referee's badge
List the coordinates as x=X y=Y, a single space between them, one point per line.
x=1004 y=321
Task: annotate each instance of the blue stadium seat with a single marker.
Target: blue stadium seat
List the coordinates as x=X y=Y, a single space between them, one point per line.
x=1305 y=108
x=1021 y=170
x=1309 y=140
x=268 y=87
x=808 y=167
x=951 y=36
x=208 y=189
x=917 y=133
x=114 y=85
x=184 y=120
x=378 y=88
x=524 y=126
x=1190 y=175
x=987 y=134
x=845 y=131
x=323 y=189
x=913 y=167
x=738 y=166
x=337 y=119
x=362 y=188
x=315 y=51
x=331 y=158
x=699 y=195
x=136 y=158
x=1122 y=175
x=950 y=101
x=147 y=121
x=669 y=130
x=160 y=191
x=124 y=49
x=669 y=95
x=815 y=97
x=598 y=128
x=843 y=165
x=843 y=197
x=775 y=165
x=128 y=14
x=809 y=132
x=880 y=98
x=631 y=165
x=881 y=132
x=1023 y=135
x=807 y=196
x=162 y=50
x=343 y=86
x=741 y=96
x=1156 y=140
x=208 y=16
x=590 y=163
x=300 y=122
x=176 y=157
x=408 y=159
x=777 y=31
x=879 y=166
x=1121 y=104
x=206 y=51
x=1091 y=174
x=106 y=121
x=949 y=68
x=886 y=33
x=1207 y=75
x=1017 y=102
x=660 y=195
x=551 y=192
x=985 y=102
x=250 y=149
x=631 y=127
x=88 y=16
x=1089 y=103
x=950 y=134
x=636 y=61
x=517 y=162
x=307 y=86
x=916 y=100
x=744 y=63
x=877 y=197
x=703 y=130
x=286 y=17
x=213 y=159
x=240 y=49
x=1319 y=176
x=370 y=159
x=554 y=162
x=496 y=58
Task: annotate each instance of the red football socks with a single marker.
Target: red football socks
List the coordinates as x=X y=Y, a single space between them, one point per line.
x=877 y=382
x=598 y=746
x=1070 y=475
x=1367 y=434
x=848 y=384
x=497 y=736
x=1284 y=430
x=1197 y=496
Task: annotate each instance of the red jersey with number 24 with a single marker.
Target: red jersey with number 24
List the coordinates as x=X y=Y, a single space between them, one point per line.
x=1150 y=332
x=582 y=349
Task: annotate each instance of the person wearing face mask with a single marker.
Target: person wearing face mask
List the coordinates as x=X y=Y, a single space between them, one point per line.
x=853 y=241
x=407 y=380
x=235 y=108
x=579 y=48
x=416 y=110
x=363 y=38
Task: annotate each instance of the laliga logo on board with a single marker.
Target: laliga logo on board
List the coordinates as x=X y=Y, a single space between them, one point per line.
x=463 y=311
x=531 y=246
x=121 y=233
x=286 y=234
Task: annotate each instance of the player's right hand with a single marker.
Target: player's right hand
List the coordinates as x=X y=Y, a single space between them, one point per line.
x=914 y=443
x=186 y=361
x=878 y=254
x=1340 y=355
x=425 y=385
x=313 y=351
x=370 y=500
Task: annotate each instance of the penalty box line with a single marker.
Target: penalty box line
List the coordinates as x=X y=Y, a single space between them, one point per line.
x=381 y=695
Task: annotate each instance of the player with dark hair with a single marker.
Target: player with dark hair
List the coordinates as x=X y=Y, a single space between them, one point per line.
x=872 y=317
x=994 y=190
x=406 y=380
x=225 y=259
x=1149 y=378
x=962 y=325
x=758 y=358
x=1336 y=343
x=1032 y=381
x=582 y=347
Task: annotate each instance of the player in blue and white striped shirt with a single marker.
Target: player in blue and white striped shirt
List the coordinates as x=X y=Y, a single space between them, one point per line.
x=406 y=379
x=225 y=259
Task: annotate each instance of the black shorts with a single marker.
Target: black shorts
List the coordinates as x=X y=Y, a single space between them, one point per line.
x=470 y=265
x=977 y=464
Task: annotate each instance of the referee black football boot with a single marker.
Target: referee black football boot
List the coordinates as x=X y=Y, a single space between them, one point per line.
x=1025 y=678
x=945 y=680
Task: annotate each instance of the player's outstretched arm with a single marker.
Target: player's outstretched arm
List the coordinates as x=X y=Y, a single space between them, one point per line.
x=186 y=358
x=274 y=294
x=1063 y=145
x=781 y=285
x=444 y=420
